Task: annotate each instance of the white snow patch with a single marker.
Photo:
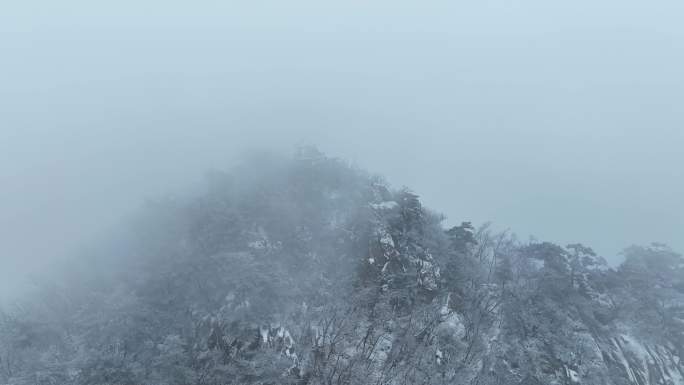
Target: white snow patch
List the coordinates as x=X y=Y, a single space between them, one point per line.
x=444 y=310
x=387 y=205
x=622 y=358
x=573 y=375
x=264 y=334
x=386 y=239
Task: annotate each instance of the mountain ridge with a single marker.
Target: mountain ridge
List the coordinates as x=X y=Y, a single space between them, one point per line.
x=306 y=270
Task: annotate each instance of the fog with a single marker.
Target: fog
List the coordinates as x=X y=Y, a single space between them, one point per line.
x=558 y=120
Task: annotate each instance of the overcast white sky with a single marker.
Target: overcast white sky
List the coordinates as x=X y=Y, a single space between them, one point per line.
x=559 y=119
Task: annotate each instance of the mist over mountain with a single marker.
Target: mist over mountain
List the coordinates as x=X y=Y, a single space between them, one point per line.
x=561 y=120
x=309 y=270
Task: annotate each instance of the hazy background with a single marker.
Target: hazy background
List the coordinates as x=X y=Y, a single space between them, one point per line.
x=558 y=119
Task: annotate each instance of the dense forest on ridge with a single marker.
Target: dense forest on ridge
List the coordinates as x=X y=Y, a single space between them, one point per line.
x=306 y=270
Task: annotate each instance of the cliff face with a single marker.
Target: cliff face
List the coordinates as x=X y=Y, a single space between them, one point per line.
x=609 y=358
x=308 y=271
